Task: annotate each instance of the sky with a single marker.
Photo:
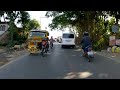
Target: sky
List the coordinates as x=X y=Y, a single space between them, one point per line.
x=40 y=17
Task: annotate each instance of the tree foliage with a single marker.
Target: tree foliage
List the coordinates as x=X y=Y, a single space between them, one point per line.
x=33 y=24
x=95 y=22
x=14 y=16
x=115 y=14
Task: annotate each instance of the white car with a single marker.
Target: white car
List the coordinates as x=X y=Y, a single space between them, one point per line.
x=68 y=39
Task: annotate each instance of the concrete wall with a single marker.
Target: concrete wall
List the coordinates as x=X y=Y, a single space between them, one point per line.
x=4 y=37
x=3 y=28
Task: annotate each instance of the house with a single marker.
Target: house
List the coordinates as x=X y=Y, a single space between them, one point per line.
x=4 y=33
x=3 y=27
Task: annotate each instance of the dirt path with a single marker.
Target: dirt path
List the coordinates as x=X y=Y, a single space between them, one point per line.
x=6 y=57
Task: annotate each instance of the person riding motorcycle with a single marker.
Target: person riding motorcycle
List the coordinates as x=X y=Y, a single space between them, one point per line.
x=44 y=44
x=47 y=44
x=86 y=41
x=51 y=41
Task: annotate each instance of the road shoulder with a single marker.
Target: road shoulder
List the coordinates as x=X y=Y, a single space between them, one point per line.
x=6 y=58
x=113 y=56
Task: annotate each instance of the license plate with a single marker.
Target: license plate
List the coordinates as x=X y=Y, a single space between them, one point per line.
x=68 y=40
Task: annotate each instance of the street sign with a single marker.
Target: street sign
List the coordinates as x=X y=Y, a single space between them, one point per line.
x=112 y=38
x=112 y=41
x=118 y=42
x=115 y=28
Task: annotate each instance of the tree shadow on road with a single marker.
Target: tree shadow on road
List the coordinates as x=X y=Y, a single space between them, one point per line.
x=89 y=69
x=84 y=75
x=77 y=75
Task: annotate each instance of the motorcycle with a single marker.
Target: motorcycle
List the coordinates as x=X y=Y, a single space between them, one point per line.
x=44 y=48
x=89 y=53
x=51 y=45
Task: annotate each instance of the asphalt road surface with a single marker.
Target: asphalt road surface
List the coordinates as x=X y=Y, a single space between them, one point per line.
x=61 y=64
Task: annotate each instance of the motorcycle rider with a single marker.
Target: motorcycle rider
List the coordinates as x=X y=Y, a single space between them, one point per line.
x=86 y=40
x=51 y=41
x=47 y=44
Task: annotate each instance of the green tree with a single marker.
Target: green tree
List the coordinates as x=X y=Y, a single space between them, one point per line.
x=14 y=16
x=92 y=21
x=115 y=14
x=33 y=24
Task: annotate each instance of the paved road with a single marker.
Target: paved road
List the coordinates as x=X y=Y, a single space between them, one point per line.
x=61 y=64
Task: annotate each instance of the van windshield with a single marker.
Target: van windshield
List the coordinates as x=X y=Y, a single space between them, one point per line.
x=68 y=35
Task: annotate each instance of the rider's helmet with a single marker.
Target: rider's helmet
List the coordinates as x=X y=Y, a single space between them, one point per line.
x=85 y=34
x=51 y=37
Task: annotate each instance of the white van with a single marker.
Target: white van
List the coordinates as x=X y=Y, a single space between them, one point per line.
x=68 y=39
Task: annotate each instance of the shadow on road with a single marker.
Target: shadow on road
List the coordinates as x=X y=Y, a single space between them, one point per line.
x=78 y=75
x=85 y=75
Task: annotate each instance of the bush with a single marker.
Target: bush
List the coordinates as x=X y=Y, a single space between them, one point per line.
x=16 y=43
x=19 y=39
x=3 y=44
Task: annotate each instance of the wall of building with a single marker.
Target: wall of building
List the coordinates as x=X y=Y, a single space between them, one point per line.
x=4 y=37
x=3 y=28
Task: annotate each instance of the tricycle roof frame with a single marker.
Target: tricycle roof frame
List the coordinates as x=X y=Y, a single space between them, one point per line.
x=39 y=30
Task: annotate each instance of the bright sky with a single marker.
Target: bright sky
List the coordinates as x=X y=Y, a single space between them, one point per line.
x=40 y=16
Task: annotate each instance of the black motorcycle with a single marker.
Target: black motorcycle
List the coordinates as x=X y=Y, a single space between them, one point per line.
x=44 y=48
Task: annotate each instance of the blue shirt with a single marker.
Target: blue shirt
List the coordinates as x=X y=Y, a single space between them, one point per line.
x=86 y=41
